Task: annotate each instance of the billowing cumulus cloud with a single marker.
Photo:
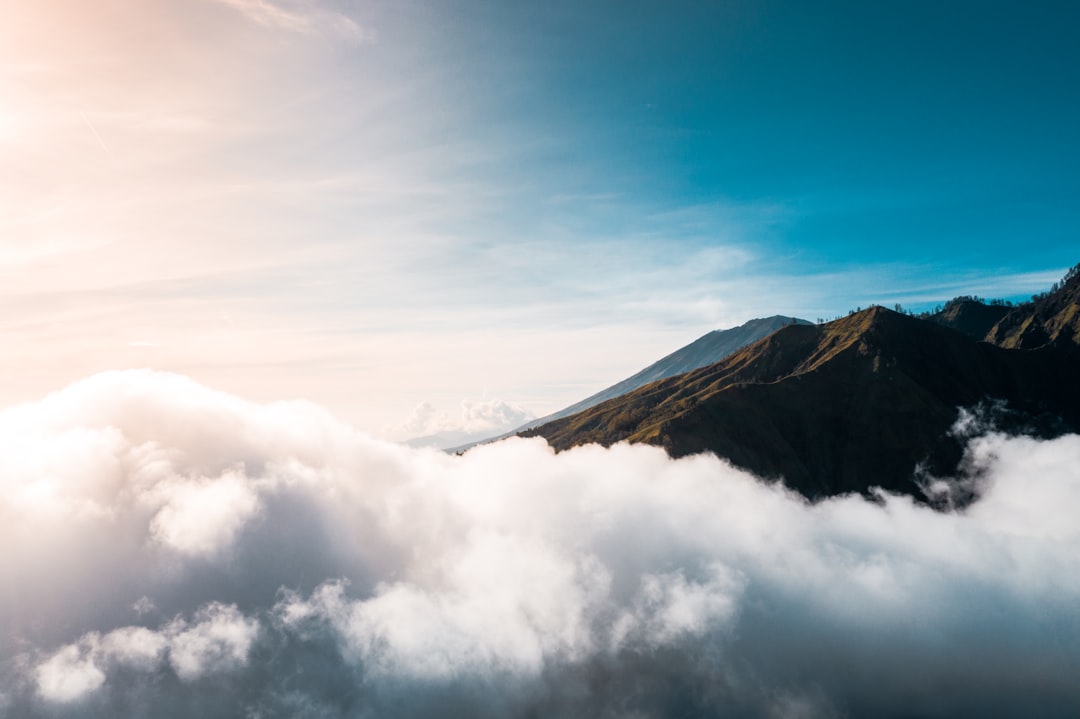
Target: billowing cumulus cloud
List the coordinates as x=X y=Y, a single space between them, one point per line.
x=217 y=642
x=171 y=550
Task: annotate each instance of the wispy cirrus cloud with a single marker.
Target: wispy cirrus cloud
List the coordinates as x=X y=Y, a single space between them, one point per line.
x=299 y=17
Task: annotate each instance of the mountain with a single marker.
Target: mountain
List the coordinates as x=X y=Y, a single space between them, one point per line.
x=701 y=352
x=848 y=405
x=970 y=315
x=447 y=438
x=1051 y=318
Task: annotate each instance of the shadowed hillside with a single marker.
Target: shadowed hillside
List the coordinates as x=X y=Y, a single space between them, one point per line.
x=840 y=407
x=970 y=316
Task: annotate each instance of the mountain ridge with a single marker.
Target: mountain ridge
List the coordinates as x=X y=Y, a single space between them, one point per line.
x=1050 y=318
x=705 y=350
x=844 y=406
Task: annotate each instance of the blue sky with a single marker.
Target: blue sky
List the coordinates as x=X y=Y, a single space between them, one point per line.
x=937 y=133
x=379 y=205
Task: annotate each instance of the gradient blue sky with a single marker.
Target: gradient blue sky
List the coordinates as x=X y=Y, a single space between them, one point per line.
x=937 y=134
x=376 y=205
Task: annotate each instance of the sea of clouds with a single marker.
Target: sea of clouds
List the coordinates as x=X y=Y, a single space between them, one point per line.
x=169 y=550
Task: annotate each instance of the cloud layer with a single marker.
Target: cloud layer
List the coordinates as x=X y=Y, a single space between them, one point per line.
x=171 y=549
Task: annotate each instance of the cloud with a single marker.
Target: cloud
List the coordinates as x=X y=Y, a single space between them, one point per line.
x=176 y=548
x=218 y=641
x=303 y=17
x=68 y=675
x=197 y=517
x=430 y=427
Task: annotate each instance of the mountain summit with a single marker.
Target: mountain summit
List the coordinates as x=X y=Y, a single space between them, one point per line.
x=703 y=351
x=855 y=403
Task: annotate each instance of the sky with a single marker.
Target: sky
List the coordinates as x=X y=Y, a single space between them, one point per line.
x=434 y=215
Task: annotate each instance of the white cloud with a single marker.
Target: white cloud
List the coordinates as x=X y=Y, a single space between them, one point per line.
x=425 y=419
x=508 y=606
x=477 y=419
x=219 y=641
x=143 y=605
x=495 y=415
x=134 y=646
x=199 y=516
x=68 y=675
x=670 y=606
x=509 y=581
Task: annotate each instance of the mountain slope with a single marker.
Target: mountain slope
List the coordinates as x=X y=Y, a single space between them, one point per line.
x=1053 y=318
x=703 y=351
x=840 y=407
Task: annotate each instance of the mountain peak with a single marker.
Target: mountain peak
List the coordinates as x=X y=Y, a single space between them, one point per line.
x=703 y=351
x=970 y=315
x=773 y=321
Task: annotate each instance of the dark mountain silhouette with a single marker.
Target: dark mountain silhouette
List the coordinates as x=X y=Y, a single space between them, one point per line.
x=971 y=316
x=855 y=403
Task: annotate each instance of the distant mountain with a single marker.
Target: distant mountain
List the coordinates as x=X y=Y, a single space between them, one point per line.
x=971 y=316
x=855 y=403
x=447 y=438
